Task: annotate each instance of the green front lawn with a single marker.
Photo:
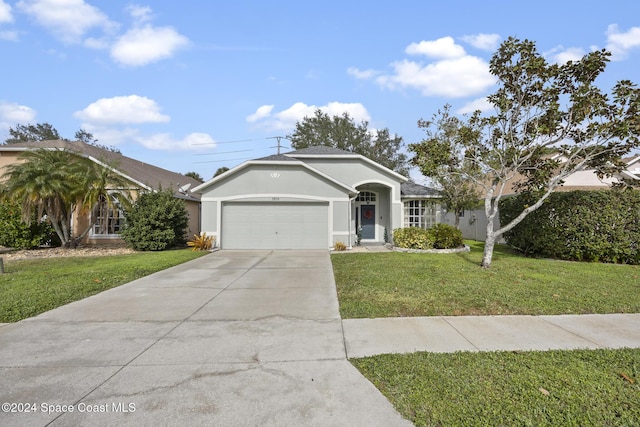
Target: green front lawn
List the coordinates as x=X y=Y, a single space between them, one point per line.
x=396 y=284
x=31 y=287
x=554 y=388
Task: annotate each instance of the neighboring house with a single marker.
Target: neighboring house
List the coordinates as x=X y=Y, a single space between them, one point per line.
x=309 y=199
x=106 y=227
x=473 y=224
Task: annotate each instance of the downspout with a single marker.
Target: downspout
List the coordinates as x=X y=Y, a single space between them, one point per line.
x=349 y=216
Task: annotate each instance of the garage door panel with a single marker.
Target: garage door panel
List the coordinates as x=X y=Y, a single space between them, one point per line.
x=282 y=225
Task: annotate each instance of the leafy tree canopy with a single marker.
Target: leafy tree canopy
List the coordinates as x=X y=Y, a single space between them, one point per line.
x=344 y=133
x=29 y=132
x=220 y=171
x=550 y=120
x=194 y=175
x=46 y=132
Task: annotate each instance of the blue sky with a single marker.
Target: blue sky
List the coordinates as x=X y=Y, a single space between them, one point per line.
x=196 y=85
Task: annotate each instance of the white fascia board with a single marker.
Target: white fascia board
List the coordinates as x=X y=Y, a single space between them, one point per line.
x=351 y=156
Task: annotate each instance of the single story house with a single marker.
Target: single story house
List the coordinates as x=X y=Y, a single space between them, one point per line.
x=143 y=176
x=310 y=199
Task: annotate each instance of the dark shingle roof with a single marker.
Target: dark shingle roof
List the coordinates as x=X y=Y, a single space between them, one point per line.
x=320 y=150
x=277 y=158
x=413 y=189
x=144 y=173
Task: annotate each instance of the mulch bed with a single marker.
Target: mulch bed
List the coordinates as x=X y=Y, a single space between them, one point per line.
x=86 y=250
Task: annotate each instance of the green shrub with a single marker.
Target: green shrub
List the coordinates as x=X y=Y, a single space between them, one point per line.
x=446 y=236
x=579 y=225
x=412 y=238
x=19 y=235
x=155 y=222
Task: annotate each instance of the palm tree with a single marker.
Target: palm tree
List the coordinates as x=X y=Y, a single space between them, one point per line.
x=57 y=183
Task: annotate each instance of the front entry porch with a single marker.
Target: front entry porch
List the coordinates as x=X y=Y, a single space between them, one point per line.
x=371 y=213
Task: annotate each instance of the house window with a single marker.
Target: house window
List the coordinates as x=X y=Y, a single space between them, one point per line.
x=109 y=218
x=419 y=213
x=366 y=197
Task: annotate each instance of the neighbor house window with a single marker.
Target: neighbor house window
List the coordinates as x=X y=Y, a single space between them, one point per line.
x=419 y=213
x=109 y=218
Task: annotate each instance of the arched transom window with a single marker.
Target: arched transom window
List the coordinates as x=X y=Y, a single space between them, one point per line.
x=366 y=197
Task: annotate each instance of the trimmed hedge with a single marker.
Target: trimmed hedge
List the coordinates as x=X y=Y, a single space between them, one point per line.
x=440 y=236
x=412 y=238
x=446 y=236
x=600 y=226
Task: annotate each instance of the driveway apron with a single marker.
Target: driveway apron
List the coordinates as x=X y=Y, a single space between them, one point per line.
x=235 y=338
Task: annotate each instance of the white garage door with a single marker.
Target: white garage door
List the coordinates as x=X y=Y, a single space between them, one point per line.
x=275 y=225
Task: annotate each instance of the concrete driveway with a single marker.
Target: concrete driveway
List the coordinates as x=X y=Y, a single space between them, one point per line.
x=235 y=338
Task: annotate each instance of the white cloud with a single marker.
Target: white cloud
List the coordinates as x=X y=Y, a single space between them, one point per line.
x=483 y=41
x=619 y=43
x=5 y=12
x=110 y=136
x=164 y=141
x=144 y=45
x=452 y=73
x=481 y=104
x=562 y=55
x=362 y=74
x=140 y=14
x=445 y=48
x=261 y=113
x=122 y=109
x=69 y=20
x=460 y=77
x=286 y=120
x=13 y=113
x=113 y=136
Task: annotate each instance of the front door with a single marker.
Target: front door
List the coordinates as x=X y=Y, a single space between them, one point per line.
x=368 y=221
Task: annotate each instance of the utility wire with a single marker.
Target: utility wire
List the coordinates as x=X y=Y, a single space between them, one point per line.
x=223 y=152
x=225 y=160
x=228 y=142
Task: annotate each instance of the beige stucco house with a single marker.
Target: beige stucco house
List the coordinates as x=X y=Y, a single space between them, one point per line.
x=143 y=177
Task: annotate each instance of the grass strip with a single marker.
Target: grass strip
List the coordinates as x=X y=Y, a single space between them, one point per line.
x=552 y=388
x=31 y=287
x=394 y=284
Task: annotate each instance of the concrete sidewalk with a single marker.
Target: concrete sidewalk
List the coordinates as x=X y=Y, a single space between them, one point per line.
x=230 y=339
x=368 y=337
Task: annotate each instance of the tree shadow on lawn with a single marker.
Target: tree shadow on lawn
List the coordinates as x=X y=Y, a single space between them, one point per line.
x=477 y=249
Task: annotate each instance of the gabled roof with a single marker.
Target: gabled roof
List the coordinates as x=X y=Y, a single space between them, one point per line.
x=274 y=160
x=143 y=174
x=413 y=190
x=321 y=151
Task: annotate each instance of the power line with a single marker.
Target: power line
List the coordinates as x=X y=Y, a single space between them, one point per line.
x=223 y=152
x=225 y=160
x=225 y=142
